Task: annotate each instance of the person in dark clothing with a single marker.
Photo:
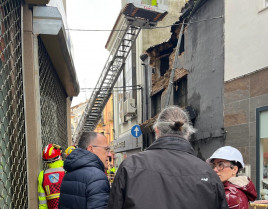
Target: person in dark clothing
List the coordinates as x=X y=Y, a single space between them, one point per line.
x=85 y=185
x=168 y=174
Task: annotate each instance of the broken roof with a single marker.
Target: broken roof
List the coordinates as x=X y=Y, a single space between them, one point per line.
x=189 y=9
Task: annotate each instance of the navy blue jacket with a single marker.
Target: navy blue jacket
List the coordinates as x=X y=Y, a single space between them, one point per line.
x=85 y=184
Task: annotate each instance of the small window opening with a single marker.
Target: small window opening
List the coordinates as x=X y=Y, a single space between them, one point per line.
x=182 y=45
x=164 y=65
x=180 y=92
x=156 y=103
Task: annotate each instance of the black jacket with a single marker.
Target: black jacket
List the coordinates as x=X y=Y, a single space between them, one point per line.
x=166 y=176
x=85 y=185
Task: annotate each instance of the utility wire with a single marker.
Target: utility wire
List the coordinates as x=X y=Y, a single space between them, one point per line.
x=115 y=87
x=159 y=27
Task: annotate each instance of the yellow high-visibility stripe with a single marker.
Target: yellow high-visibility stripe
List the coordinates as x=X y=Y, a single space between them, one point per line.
x=42 y=197
x=53 y=196
x=47 y=189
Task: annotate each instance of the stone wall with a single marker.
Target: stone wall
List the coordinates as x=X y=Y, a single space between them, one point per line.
x=242 y=96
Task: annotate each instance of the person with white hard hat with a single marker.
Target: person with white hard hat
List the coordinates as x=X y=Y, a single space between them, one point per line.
x=227 y=161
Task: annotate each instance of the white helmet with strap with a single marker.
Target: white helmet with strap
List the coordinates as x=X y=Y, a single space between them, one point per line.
x=227 y=153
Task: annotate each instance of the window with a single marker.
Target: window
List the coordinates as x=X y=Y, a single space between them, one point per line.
x=120 y=94
x=156 y=103
x=128 y=76
x=262 y=152
x=181 y=45
x=265 y=3
x=180 y=92
x=164 y=65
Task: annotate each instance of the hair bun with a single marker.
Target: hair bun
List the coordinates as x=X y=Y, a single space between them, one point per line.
x=176 y=125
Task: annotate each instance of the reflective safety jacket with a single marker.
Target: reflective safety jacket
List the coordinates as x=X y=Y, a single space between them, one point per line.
x=111 y=170
x=49 y=182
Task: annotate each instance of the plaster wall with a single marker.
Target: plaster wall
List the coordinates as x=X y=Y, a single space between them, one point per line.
x=155 y=36
x=204 y=59
x=32 y=105
x=107 y=126
x=245 y=37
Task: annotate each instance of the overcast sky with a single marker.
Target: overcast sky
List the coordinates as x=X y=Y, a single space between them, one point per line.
x=90 y=54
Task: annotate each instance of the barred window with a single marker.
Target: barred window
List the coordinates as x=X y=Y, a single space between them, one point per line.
x=13 y=168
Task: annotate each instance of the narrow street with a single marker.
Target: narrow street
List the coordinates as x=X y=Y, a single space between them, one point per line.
x=204 y=62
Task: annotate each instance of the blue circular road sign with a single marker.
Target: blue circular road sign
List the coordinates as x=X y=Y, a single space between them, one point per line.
x=136 y=131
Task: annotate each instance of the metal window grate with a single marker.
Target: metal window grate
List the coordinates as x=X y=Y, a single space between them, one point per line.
x=13 y=167
x=52 y=102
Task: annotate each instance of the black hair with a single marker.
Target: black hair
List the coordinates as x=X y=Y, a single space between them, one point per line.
x=238 y=164
x=176 y=126
x=86 y=139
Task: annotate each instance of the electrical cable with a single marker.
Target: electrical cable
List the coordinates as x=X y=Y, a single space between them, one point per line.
x=159 y=27
x=115 y=87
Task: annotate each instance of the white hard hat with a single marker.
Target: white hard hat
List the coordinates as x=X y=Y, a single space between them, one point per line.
x=227 y=153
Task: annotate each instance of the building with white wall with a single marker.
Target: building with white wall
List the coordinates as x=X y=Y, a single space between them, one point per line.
x=246 y=89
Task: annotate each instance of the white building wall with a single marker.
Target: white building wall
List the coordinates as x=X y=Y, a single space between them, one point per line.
x=246 y=37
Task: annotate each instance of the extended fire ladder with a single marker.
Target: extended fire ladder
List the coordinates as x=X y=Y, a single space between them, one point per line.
x=135 y=18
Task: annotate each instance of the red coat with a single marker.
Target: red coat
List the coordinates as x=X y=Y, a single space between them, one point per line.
x=239 y=191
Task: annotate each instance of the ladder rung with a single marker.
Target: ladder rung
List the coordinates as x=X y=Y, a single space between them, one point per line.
x=119 y=57
x=123 y=45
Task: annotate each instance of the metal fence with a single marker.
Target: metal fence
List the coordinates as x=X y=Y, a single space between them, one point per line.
x=52 y=102
x=13 y=167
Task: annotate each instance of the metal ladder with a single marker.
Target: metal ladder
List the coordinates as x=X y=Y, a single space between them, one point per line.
x=125 y=39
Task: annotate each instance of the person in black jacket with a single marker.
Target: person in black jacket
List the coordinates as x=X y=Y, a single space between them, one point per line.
x=167 y=175
x=85 y=185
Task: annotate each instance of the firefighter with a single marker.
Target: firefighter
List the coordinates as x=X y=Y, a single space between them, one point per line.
x=69 y=150
x=49 y=180
x=112 y=170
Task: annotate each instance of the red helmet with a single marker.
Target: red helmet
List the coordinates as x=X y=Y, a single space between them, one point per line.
x=51 y=153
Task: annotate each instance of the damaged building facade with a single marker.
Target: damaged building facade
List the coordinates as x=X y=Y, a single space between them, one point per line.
x=198 y=81
x=128 y=91
x=216 y=81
